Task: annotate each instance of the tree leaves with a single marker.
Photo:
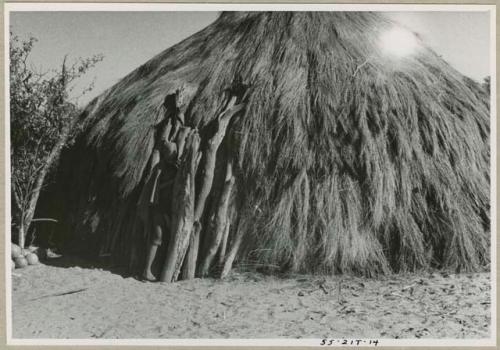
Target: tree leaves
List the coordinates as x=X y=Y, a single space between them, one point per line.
x=40 y=115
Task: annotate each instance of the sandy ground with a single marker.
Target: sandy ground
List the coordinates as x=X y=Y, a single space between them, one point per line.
x=79 y=302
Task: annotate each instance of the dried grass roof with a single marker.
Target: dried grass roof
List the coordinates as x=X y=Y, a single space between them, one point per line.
x=349 y=160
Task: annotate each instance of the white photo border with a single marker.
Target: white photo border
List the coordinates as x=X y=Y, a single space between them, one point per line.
x=141 y=7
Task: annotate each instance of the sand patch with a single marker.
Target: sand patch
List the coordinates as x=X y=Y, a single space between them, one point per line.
x=101 y=304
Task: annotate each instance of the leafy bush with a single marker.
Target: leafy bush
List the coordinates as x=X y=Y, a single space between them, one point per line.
x=42 y=121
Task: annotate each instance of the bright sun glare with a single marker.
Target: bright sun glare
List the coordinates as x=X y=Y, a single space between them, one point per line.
x=398 y=42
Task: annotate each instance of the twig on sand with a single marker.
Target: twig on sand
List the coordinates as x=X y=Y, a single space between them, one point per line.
x=339 y=292
x=59 y=294
x=402 y=296
x=409 y=286
x=322 y=286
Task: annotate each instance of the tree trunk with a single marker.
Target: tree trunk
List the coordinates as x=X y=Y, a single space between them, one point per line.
x=29 y=210
x=20 y=234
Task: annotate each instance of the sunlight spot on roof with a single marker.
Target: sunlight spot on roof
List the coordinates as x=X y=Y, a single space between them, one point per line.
x=398 y=42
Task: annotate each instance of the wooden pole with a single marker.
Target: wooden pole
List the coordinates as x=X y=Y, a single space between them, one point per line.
x=183 y=209
x=223 y=246
x=221 y=220
x=228 y=264
x=208 y=169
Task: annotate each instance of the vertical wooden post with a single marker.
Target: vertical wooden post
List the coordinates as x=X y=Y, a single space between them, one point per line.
x=223 y=246
x=192 y=253
x=228 y=264
x=221 y=220
x=183 y=209
x=208 y=169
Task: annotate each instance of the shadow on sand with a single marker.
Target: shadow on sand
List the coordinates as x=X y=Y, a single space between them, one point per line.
x=103 y=263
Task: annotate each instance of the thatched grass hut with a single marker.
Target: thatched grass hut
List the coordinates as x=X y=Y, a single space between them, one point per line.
x=344 y=159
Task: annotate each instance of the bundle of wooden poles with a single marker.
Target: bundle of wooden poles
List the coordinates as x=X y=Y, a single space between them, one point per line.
x=188 y=164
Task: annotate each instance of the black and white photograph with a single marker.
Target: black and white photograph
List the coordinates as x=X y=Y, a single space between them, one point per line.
x=223 y=174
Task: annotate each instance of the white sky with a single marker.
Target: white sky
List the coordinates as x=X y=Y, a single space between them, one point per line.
x=128 y=39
